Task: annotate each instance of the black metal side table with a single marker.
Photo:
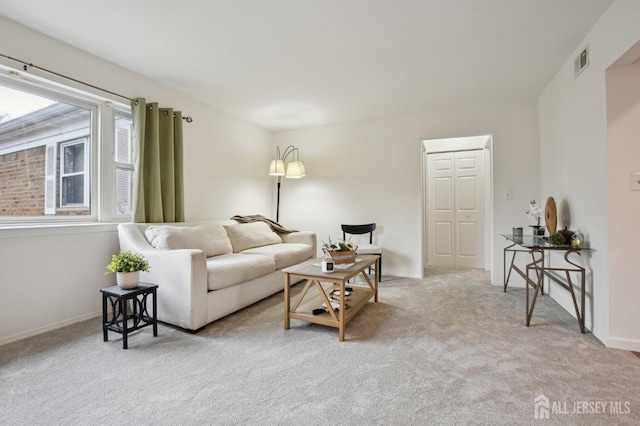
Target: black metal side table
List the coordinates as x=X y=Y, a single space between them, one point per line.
x=125 y=322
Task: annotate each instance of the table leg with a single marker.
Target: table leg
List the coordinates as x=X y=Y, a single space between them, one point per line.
x=287 y=300
x=582 y=289
x=526 y=304
x=125 y=320
x=137 y=306
x=533 y=258
x=155 y=316
x=506 y=275
x=105 y=331
x=573 y=298
x=537 y=288
x=581 y=271
x=341 y=311
x=375 y=297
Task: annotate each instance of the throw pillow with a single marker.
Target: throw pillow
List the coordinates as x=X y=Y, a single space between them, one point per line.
x=249 y=235
x=211 y=239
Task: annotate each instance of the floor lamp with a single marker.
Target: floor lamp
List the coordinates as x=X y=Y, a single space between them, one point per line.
x=293 y=170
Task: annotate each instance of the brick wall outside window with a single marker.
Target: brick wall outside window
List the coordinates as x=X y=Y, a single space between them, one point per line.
x=22 y=182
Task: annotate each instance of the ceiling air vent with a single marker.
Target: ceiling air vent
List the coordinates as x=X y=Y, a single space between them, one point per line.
x=581 y=62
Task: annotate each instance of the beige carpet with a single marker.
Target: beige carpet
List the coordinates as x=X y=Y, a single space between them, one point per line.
x=449 y=349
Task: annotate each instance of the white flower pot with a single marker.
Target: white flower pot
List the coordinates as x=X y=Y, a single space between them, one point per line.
x=128 y=280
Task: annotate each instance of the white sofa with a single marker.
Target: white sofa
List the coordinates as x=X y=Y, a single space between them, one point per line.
x=208 y=269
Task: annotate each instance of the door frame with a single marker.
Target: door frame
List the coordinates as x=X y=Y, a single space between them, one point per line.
x=485 y=143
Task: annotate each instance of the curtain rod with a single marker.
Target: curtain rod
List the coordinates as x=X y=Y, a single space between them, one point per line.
x=26 y=65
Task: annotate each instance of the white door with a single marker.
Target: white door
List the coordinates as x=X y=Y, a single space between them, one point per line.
x=440 y=209
x=455 y=209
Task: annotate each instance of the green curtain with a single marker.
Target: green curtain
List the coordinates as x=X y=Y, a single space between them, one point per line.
x=158 y=194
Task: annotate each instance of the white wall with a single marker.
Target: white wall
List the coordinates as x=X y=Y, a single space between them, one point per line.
x=50 y=278
x=574 y=170
x=370 y=171
x=623 y=117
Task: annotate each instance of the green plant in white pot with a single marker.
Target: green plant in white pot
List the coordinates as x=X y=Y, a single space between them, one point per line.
x=127 y=266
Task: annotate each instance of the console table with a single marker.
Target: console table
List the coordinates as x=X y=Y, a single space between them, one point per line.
x=536 y=246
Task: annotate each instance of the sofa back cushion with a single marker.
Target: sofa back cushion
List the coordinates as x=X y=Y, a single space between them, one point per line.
x=249 y=235
x=212 y=239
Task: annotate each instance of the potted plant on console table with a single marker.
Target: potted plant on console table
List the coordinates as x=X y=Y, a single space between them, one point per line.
x=535 y=213
x=127 y=266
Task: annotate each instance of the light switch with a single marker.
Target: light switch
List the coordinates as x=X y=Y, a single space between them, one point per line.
x=635 y=181
x=508 y=195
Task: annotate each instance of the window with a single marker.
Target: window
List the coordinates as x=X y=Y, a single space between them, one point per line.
x=51 y=139
x=73 y=175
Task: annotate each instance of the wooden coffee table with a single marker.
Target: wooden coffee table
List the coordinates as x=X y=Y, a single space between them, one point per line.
x=306 y=302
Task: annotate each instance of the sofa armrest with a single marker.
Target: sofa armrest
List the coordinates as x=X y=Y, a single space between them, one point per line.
x=302 y=237
x=181 y=276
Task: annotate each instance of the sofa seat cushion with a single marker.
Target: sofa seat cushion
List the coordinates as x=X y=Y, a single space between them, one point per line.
x=284 y=254
x=249 y=235
x=212 y=239
x=233 y=268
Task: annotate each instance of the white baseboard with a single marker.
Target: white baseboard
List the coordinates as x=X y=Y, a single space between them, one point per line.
x=48 y=327
x=623 y=343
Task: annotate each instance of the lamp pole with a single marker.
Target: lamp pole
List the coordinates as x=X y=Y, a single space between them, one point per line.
x=278 y=201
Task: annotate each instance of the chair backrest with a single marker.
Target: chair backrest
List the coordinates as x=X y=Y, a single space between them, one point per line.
x=359 y=229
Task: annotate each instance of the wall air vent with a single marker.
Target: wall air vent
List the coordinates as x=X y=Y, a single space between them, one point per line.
x=581 y=62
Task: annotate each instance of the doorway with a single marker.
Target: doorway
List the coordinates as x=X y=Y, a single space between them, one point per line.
x=457 y=202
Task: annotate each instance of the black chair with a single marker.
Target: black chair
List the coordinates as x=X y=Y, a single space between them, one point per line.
x=365 y=248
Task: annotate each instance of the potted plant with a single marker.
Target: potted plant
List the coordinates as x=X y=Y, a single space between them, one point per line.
x=340 y=251
x=556 y=239
x=535 y=212
x=127 y=266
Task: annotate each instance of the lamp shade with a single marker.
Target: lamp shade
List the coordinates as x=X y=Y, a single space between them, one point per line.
x=276 y=168
x=295 y=170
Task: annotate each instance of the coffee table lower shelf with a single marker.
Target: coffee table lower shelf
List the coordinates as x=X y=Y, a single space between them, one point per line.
x=355 y=301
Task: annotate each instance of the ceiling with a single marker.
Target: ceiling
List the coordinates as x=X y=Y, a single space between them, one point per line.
x=296 y=63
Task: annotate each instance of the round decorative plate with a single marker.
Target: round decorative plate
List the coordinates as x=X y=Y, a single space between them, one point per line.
x=550 y=215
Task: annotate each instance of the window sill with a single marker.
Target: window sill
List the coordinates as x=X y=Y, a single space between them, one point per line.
x=46 y=229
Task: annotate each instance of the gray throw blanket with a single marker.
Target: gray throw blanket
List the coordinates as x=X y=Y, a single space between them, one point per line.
x=259 y=218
